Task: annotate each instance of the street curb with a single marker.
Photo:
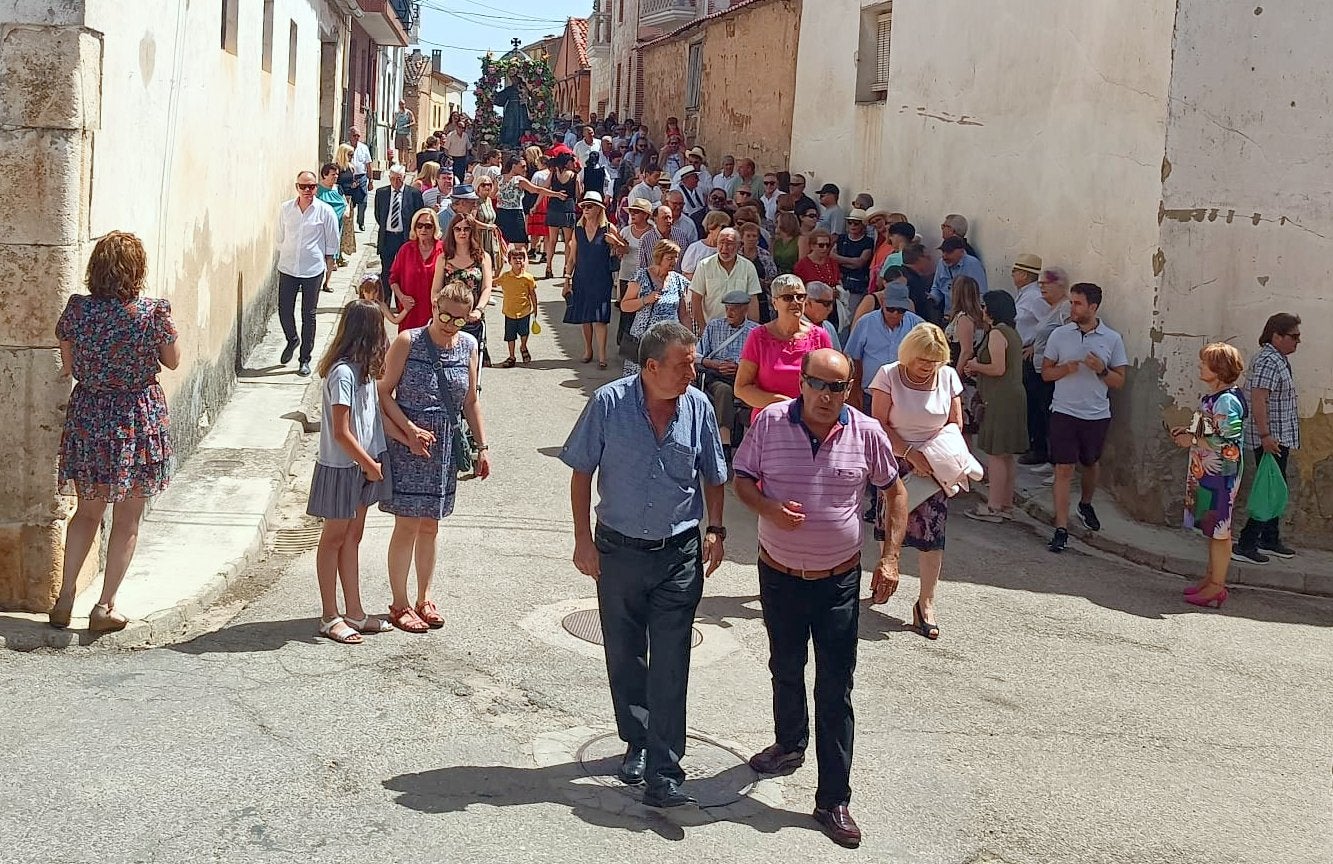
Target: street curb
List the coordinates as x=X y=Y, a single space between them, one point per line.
x=169 y=625
x=1314 y=584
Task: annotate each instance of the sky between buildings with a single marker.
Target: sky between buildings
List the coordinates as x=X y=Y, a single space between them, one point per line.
x=466 y=29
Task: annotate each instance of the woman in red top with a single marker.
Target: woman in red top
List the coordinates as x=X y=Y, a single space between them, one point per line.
x=817 y=266
x=413 y=270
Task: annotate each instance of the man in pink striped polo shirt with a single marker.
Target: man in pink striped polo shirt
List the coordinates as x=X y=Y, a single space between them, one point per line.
x=803 y=468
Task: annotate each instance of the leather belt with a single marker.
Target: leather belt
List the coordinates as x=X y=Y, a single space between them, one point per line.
x=642 y=544
x=810 y=575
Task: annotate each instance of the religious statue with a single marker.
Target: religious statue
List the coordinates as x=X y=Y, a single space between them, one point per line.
x=516 y=119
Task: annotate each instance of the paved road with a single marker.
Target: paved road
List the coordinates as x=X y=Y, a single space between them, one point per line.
x=1073 y=711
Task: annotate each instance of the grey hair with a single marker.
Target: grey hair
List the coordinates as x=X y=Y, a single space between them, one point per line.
x=786 y=280
x=658 y=338
x=820 y=291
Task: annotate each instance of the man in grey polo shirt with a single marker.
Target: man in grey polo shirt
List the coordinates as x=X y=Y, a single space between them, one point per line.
x=1084 y=358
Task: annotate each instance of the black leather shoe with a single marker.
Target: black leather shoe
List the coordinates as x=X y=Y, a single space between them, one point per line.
x=289 y=352
x=303 y=370
x=667 y=793
x=774 y=760
x=632 y=766
x=839 y=825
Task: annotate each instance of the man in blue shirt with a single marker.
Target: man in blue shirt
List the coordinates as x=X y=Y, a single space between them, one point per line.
x=954 y=262
x=876 y=336
x=653 y=442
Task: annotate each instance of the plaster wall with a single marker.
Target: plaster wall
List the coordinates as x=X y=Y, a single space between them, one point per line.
x=1247 y=214
x=624 y=35
x=742 y=111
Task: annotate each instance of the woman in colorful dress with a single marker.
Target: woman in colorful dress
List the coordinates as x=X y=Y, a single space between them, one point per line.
x=116 y=445
x=589 y=273
x=1214 y=439
x=657 y=294
x=429 y=384
x=483 y=222
x=464 y=261
x=514 y=190
x=347 y=186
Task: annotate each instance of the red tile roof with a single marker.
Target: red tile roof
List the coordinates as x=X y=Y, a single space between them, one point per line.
x=578 y=28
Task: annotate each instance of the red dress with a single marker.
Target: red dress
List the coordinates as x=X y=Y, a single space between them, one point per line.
x=413 y=276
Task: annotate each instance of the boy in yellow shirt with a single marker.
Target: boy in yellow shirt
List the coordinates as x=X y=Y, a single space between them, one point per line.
x=520 y=303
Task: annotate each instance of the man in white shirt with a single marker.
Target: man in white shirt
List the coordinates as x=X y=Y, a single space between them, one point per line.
x=648 y=185
x=360 y=177
x=1031 y=310
x=457 y=146
x=695 y=159
x=683 y=229
x=308 y=238
x=727 y=178
x=719 y=275
x=689 y=185
x=769 y=197
x=587 y=144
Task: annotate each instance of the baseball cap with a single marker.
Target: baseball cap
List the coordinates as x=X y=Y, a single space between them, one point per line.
x=829 y=189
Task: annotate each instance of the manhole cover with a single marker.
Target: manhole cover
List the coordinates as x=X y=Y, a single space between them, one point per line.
x=715 y=774
x=292 y=541
x=587 y=625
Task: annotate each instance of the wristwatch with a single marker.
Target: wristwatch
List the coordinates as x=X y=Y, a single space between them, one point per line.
x=719 y=531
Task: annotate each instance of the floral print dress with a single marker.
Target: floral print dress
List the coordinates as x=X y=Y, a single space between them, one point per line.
x=116 y=441
x=1215 y=464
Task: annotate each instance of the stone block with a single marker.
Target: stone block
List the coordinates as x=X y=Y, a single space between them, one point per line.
x=30 y=561
x=39 y=396
x=50 y=77
x=53 y=12
x=43 y=171
x=49 y=275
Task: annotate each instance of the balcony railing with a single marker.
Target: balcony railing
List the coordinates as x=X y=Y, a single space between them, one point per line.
x=664 y=14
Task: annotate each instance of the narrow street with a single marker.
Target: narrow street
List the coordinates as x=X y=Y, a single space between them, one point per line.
x=1073 y=709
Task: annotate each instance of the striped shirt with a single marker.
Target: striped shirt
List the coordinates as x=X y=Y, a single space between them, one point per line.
x=1271 y=370
x=828 y=478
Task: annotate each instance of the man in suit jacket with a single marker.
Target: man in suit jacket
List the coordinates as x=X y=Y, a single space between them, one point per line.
x=395 y=205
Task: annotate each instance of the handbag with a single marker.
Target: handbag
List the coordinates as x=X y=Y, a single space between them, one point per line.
x=629 y=348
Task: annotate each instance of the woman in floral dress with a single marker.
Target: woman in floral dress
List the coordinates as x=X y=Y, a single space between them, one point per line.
x=1214 y=440
x=657 y=294
x=429 y=386
x=116 y=446
x=465 y=261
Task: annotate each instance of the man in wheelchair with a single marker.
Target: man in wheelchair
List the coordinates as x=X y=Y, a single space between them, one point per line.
x=720 y=355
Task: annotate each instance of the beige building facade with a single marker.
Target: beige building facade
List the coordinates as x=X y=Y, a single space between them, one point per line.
x=184 y=123
x=730 y=77
x=1174 y=154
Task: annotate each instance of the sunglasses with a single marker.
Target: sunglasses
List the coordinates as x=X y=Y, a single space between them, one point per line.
x=424 y=226
x=822 y=245
x=462 y=229
x=450 y=319
x=770 y=182
x=792 y=298
x=830 y=386
x=307 y=187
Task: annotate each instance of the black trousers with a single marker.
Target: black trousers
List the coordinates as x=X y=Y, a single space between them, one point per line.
x=647 y=600
x=1257 y=534
x=308 y=288
x=827 y=611
x=360 y=195
x=1039 y=393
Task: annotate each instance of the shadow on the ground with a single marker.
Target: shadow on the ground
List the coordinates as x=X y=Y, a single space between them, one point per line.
x=720 y=611
x=569 y=338
x=455 y=789
x=254 y=637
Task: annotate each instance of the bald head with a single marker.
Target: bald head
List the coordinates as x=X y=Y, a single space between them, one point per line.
x=828 y=364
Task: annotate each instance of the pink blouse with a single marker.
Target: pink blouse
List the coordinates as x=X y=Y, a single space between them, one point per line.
x=779 y=361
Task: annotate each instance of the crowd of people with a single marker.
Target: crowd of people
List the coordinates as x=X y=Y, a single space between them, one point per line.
x=822 y=359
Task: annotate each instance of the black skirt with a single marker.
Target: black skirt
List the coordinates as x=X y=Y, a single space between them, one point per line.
x=513 y=225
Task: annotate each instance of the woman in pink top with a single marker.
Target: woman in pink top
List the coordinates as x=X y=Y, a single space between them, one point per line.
x=770 y=367
x=913 y=400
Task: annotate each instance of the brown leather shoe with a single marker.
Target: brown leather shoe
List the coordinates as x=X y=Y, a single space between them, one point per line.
x=105 y=619
x=775 y=760
x=839 y=825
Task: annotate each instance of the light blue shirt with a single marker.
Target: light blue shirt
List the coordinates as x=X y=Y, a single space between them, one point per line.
x=1083 y=394
x=942 y=288
x=717 y=334
x=874 y=344
x=647 y=488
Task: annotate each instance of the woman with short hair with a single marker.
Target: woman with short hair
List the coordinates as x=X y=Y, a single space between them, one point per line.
x=116 y=444
x=770 y=367
x=1214 y=437
x=413 y=270
x=659 y=293
x=914 y=399
x=1003 y=434
x=819 y=304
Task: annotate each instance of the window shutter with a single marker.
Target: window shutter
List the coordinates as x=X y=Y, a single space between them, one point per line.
x=883 y=28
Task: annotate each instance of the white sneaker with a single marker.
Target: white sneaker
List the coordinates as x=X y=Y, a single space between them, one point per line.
x=1049 y=481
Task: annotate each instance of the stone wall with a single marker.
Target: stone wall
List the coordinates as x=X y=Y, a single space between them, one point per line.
x=748 y=83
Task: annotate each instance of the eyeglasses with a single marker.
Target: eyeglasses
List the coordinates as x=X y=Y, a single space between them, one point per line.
x=822 y=245
x=792 y=298
x=463 y=229
x=1293 y=336
x=830 y=386
x=307 y=187
x=424 y=226
x=770 y=182
x=825 y=303
x=450 y=319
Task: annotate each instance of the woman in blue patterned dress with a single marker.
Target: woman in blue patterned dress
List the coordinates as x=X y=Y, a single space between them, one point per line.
x=430 y=377
x=116 y=447
x=1214 y=438
x=658 y=293
x=589 y=275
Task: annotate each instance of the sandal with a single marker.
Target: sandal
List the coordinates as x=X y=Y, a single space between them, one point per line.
x=104 y=619
x=926 y=628
x=368 y=624
x=983 y=513
x=406 y=620
x=430 y=614
x=509 y=363
x=601 y=364
x=527 y=356
x=346 y=636
x=61 y=613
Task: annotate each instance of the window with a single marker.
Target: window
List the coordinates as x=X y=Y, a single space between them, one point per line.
x=230 y=19
x=694 y=75
x=617 y=95
x=872 y=60
x=620 y=19
x=266 y=60
x=291 y=54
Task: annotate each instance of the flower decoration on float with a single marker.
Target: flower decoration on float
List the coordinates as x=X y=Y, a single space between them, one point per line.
x=538 y=82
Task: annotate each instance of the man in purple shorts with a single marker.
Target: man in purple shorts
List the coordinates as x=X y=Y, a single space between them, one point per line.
x=1084 y=358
